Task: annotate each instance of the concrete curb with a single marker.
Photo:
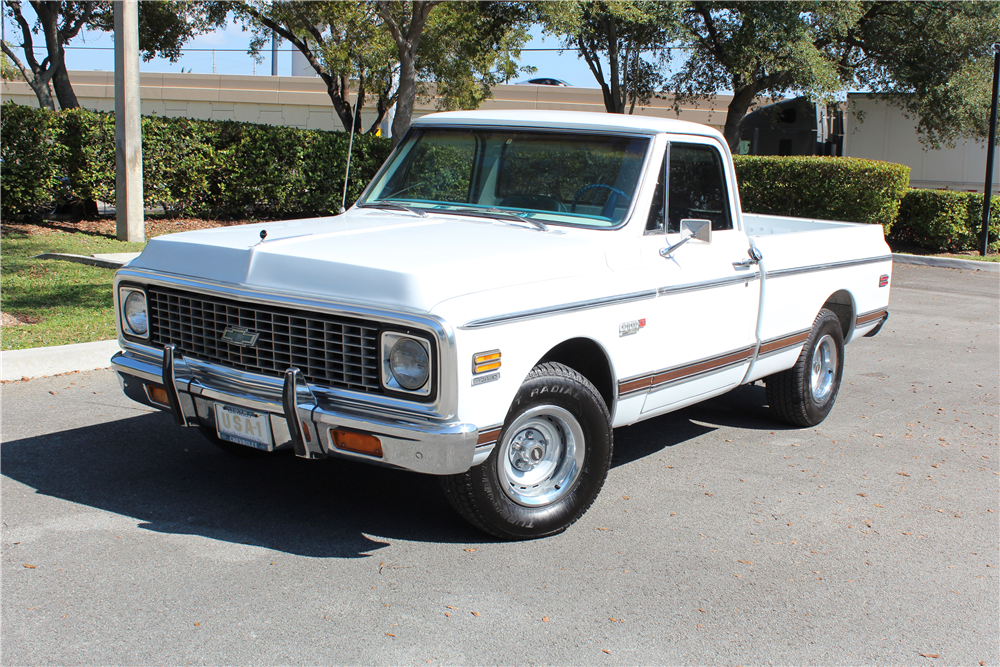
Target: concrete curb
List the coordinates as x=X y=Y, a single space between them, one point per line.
x=42 y=361
x=106 y=261
x=946 y=262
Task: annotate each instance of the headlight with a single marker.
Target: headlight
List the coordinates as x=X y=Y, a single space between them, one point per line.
x=409 y=364
x=134 y=310
x=406 y=363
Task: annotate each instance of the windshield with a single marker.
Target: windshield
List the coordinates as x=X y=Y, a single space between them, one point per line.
x=543 y=176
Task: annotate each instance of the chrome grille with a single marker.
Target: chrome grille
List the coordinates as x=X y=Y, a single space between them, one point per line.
x=329 y=350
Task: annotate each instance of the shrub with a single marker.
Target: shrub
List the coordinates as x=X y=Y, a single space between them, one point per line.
x=88 y=163
x=828 y=188
x=188 y=165
x=179 y=161
x=943 y=220
x=30 y=154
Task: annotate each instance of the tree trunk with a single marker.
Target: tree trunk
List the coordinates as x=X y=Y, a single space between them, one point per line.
x=407 y=40
x=736 y=113
x=405 y=98
x=48 y=17
x=64 y=89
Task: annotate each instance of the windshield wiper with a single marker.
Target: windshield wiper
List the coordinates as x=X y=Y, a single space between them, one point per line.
x=497 y=214
x=394 y=207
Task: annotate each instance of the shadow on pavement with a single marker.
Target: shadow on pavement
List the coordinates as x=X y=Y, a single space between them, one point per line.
x=172 y=480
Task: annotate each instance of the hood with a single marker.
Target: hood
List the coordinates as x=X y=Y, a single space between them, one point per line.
x=390 y=259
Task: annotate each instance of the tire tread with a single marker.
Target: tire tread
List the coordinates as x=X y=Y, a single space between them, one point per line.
x=460 y=489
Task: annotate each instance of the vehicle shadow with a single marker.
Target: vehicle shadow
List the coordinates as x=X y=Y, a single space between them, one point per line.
x=174 y=481
x=744 y=407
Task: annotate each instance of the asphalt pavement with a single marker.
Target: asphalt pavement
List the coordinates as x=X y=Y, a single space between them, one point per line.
x=721 y=536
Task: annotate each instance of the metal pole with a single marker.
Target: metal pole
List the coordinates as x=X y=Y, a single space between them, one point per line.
x=130 y=225
x=990 y=151
x=274 y=53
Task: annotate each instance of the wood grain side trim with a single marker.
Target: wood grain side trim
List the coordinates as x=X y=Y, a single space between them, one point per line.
x=657 y=379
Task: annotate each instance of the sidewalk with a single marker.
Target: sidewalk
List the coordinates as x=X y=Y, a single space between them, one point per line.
x=42 y=361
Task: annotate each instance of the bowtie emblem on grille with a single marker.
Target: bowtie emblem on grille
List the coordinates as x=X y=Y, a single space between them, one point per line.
x=240 y=336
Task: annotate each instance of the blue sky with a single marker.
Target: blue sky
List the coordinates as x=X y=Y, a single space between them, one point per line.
x=224 y=52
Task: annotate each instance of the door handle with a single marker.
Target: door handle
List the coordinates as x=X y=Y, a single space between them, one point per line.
x=755 y=256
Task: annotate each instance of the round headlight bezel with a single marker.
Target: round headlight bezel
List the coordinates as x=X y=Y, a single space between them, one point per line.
x=407 y=364
x=135 y=313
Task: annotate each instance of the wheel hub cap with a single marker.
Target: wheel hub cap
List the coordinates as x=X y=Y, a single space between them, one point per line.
x=527 y=450
x=542 y=456
x=823 y=372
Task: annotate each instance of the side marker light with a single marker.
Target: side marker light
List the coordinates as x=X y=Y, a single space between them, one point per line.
x=484 y=362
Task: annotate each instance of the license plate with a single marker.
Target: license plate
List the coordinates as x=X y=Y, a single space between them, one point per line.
x=242 y=426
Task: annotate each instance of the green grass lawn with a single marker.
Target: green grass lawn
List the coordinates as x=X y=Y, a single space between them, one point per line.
x=70 y=303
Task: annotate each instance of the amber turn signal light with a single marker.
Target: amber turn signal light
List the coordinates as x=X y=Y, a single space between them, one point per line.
x=157 y=395
x=485 y=361
x=357 y=442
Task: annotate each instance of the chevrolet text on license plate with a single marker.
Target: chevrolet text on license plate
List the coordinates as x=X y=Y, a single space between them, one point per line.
x=242 y=426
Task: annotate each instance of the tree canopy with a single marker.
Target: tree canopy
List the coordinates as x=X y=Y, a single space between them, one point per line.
x=625 y=44
x=392 y=51
x=164 y=27
x=924 y=56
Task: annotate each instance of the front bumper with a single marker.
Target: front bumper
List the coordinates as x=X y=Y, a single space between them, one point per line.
x=298 y=418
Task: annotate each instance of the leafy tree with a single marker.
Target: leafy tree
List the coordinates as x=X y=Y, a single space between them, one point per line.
x=632 y=38
x=340 y=40
x=924 y=56
x=164 y=26
x=8 y=72
x=392 y=50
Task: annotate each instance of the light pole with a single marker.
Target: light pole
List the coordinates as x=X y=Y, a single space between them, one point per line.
x=990 y=151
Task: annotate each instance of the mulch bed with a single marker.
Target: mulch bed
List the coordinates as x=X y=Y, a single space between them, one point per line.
x=107 y=227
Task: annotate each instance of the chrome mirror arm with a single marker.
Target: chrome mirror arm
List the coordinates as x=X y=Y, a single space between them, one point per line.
x=665 y=252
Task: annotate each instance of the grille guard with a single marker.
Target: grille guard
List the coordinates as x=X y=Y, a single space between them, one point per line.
x=409 y=442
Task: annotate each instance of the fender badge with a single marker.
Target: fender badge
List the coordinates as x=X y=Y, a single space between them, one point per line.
x=240 y=336
x=483 y=379
x=629 y=328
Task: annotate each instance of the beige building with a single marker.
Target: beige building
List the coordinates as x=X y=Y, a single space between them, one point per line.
x=297 y=101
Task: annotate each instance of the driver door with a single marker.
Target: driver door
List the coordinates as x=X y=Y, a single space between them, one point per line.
x=706 y=307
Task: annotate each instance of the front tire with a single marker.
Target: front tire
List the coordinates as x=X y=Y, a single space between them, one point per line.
x=549 y=464
x=804 y=394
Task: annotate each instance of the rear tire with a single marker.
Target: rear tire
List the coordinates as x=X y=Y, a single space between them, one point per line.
x=804 y=394
x=549 y=464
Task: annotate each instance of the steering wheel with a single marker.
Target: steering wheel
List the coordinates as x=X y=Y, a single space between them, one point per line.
x=579 y=193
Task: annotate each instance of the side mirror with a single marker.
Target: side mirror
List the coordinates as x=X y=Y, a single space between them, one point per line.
x=699 y=230
x=696 y=230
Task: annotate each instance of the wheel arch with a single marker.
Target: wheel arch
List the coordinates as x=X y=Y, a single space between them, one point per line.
x=842 y=304
x=588 y=358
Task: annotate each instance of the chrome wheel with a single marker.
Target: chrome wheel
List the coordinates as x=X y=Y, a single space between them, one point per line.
x=541 y=456
x=823 y=372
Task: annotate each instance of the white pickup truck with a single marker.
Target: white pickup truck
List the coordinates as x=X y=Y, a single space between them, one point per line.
x=510 y=288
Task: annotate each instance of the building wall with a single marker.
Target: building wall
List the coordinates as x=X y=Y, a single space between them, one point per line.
x=887 y=134
x=297 y=101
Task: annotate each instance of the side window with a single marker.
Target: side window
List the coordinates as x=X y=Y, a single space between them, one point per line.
x=697 y=187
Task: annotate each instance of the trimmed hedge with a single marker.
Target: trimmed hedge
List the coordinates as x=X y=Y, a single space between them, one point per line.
x=30 y=158
x=828 y=188
x=192 y=166
x=945 y=220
